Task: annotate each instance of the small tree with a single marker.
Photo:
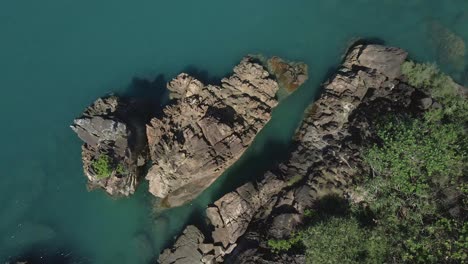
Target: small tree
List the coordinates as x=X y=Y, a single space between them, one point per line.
x=102 y=166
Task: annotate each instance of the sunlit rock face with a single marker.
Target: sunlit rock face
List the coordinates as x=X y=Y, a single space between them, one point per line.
x=207 y=128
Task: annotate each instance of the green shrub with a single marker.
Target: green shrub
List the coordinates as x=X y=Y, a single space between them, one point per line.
x=427 y=76
x=102 y=166
x=120 y=169
x=342 y=240
x=283 y=245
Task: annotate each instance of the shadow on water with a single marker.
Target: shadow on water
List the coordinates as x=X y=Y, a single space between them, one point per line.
x=202 y=75
x=40 y=254
x=151 y=95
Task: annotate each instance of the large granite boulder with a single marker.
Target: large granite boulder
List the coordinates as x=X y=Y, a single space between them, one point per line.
x=207 y=128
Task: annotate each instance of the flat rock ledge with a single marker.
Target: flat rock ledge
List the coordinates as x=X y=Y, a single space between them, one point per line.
x=324 y=160
x=200 y=133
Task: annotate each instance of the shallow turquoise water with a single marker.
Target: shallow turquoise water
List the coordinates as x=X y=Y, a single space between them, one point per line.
x=57 y=56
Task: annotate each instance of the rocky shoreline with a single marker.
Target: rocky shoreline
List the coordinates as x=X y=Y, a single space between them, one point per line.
x=325 y=161
x=206 y=128
x=199 y=134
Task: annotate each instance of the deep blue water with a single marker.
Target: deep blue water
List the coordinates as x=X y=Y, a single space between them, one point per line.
x=57 y=56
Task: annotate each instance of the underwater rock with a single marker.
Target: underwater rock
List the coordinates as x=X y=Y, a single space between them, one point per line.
x=450 y=48
x=114 y=146
x=206 y=128
x=289 y=75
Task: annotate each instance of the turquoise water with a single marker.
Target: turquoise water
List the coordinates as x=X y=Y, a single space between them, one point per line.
x=57 y=56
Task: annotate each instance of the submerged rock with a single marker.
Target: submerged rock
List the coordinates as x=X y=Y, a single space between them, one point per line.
x=206 y=129
x=114 y=146
x=450 y=47
x=290 y=75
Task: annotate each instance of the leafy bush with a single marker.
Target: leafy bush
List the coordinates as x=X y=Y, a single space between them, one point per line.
x=120 y=169
x=283 y=245
x=427 y=76
x=102 y=166
x=342 y=240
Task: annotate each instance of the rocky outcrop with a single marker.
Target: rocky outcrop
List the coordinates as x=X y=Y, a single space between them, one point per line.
x=114 y=146
x=202 y=132
x=206 y=129
x=324 y=161
x=185 y=250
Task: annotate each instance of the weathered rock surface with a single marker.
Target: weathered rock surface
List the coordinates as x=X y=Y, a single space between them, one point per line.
x=111 y=128
x=206 y=129
x=202 y=132
x=185 y=250
x=324 y=161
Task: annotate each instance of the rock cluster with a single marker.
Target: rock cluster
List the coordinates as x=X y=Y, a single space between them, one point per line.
x=324 y=161
x=203 y=131
x=112 y=131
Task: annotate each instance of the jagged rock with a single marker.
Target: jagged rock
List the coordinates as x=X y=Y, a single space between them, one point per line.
x=185 y=249
x=231 y=214
x=112 y=129
x=321 y=155
x=206 y=129
x=272 y=207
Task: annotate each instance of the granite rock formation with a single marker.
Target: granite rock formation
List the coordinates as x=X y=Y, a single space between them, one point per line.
x=200 y=133
x=113 y=132
x=324 y=161
x=206 y=129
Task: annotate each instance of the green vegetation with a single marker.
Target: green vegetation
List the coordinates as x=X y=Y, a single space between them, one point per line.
x=342 y=240
x=429 y=78
x=418 y=167
x=120 y=169
x=102 y=166
x=282 y=245
x=416 y=196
